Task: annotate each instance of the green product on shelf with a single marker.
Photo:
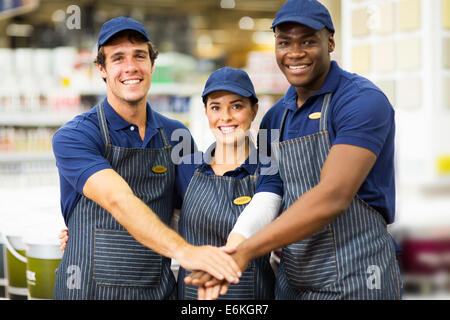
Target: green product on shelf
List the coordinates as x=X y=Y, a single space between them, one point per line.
x=41 y=277
x=16 y=268
x=3 y=281
x=43 y=259
x=163 y=74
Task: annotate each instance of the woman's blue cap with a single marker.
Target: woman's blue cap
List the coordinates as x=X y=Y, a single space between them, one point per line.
x=232 y=80
x=310 y=13
x=116 y=25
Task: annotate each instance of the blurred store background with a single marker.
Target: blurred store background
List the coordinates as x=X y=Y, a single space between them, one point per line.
x=47 y=48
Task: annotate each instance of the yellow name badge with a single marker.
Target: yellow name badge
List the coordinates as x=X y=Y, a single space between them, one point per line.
x=242 y=200
x=159 y=169
x=315 y=116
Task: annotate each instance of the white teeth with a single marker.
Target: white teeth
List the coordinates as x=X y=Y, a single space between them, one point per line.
x=131 y=81
x=227 y=129
x=297 y=67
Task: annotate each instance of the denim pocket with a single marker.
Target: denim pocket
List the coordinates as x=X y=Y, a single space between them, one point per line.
x=119 y=260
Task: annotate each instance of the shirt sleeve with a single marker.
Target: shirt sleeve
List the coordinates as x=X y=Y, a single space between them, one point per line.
x=182 y=155
x=182 y=142
x=269 y=182
x=263 y=208
x=78 y=155
x=177 y=194
x=364 y=120
x=269 y=178
x=183 y=175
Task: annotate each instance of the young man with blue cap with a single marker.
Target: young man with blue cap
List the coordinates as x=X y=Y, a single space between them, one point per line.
x=336 y=166
x=117 y=182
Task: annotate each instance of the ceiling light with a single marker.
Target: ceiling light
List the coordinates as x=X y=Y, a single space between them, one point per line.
x=58 y=16
x=204 y=42
x=227 y=4
x=263 y=37
x=246 y=23
x=19 y=30
x=263 y=24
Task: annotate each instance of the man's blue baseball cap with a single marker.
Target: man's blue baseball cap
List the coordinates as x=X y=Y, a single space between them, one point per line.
x=232 y=80
x=310 y=13
x=116 y=25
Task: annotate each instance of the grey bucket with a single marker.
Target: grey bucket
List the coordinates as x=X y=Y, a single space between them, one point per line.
x=3 y=281
x=43 y=258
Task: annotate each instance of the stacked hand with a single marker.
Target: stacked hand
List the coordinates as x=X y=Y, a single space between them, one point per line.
x=213 y=260
x=209 y=287
x=222 y=268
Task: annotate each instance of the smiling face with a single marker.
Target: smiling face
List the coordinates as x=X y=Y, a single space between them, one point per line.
x=303 y=55
x=127 y=70
x=229 y=115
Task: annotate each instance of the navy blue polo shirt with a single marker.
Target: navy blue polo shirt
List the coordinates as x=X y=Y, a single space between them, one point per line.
x=359 y=115
x=202 y=160
x=79 y=148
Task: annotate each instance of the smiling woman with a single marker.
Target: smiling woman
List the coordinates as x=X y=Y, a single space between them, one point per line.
x=230 y=117
x=216 y=191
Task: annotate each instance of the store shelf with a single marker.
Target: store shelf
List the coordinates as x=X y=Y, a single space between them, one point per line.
x=35 y=119
x=176 y=89
x=7 y=157
x=51 y=119
x=180 y=116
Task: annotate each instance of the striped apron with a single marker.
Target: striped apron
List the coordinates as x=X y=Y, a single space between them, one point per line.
x=102 y=260
x=351 y=258
x=208 y=214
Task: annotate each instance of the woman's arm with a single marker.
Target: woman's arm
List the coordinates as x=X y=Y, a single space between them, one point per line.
x=262 y=209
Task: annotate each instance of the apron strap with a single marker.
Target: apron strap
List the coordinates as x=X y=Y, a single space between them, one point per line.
x=324 y=112
x=105 y=132
x=103 y=124
x=283 y=121
x=165 y=141
x=323 y=126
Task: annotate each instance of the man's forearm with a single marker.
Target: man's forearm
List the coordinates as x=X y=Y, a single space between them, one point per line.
x=145 y=226
x=310 y=213
x=112 y=193
x=342 y=174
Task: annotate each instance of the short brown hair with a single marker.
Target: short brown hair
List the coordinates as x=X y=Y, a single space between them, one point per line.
x=133 y=37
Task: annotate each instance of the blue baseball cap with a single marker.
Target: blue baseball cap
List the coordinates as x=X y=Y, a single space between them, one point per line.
x=232 y=80
x=310 y=13
x=116 y=25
